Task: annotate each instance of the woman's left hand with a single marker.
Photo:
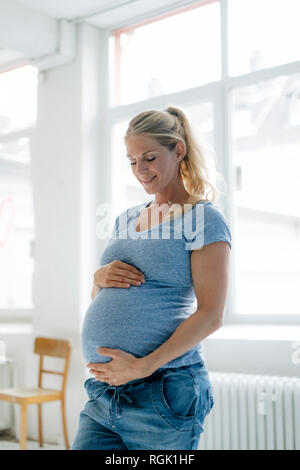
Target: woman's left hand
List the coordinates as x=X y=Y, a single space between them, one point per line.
x=123 y=367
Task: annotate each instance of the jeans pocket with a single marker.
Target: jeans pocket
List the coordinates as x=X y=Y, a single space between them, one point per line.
x=175 y=398
x=178 y=394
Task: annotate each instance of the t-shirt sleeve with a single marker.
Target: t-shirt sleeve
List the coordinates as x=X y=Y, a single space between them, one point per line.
x=209 y=226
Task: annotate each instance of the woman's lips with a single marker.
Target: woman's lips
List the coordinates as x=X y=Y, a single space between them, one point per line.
x=149 y=181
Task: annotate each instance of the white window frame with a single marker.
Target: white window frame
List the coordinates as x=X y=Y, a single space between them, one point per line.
x=219 y=93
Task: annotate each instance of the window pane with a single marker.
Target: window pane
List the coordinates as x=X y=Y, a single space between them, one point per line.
x=185 y=53
x=18 y=98
x=16 y=225
x=201 y=114
x=266 y=155
x=262 y=33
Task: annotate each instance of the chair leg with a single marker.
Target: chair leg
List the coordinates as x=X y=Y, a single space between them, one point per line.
x=40 y=425
x=23 y=426
x=64 y=422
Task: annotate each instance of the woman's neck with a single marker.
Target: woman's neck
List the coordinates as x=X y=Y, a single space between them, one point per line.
x=190 y=199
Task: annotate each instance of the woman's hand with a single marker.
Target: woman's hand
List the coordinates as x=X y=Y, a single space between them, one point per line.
x=95 y=291
x=123 y=367
x=118 y=274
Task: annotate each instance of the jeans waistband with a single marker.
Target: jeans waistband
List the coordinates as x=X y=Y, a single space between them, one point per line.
x=119 y=390
x=198 y=366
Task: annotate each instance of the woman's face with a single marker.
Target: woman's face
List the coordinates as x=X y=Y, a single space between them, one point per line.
x=154 y=165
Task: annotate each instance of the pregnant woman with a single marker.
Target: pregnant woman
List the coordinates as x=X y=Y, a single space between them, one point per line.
x=149 y=386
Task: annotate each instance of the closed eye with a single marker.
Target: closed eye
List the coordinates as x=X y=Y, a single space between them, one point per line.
x=146 y=160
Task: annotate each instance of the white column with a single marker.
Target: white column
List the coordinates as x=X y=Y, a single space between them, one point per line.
x=71 y=176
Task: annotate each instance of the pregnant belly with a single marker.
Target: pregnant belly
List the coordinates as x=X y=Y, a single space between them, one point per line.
x=137 y=320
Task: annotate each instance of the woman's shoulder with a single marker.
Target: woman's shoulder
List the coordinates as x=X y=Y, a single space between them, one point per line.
x=213 y=215
x=211 y=225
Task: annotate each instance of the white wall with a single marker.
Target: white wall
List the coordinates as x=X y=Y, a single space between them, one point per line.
x=254 y=356
x=56 y=165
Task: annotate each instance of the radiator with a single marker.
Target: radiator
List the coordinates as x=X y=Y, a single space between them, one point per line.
x=252 y=412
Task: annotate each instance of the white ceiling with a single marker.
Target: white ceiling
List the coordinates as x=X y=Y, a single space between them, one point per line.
x=69 y=9
x=103 y=13
x=38 y=18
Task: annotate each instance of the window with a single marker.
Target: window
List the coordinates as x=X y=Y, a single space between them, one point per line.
x=240 y=87
x=266 y=149
x=18 y=113
x=152 y=59
x=262 y=33
x=18 y=95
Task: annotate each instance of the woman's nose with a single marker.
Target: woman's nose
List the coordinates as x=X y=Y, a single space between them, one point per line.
x=141 y=169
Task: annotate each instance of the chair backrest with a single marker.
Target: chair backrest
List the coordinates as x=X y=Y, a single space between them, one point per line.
x=55 y=348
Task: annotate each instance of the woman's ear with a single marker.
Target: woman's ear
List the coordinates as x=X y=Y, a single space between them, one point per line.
x=180 y=151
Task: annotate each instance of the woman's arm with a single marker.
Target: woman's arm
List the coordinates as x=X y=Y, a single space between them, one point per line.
x=209 y=267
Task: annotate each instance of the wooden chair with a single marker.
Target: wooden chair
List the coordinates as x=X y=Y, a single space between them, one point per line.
x=27 y=396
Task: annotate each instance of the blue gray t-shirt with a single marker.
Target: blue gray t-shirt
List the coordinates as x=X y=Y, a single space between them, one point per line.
x=138 y=319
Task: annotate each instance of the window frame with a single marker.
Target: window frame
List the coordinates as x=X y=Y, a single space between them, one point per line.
x=17 y=314
x=220 y=94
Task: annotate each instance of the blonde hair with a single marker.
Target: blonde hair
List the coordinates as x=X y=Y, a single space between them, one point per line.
x=168 y=127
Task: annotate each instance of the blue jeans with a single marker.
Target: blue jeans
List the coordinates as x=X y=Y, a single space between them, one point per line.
x=165 y=410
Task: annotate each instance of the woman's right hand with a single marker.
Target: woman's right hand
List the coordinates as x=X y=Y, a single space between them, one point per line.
x=118 y=274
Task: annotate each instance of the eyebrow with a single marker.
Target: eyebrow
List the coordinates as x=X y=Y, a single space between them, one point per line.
x=144 y=153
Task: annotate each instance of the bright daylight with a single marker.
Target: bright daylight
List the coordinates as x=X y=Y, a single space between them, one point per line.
x=149 y=227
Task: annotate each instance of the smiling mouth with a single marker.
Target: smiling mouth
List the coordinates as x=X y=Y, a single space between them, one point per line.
x=149 y=180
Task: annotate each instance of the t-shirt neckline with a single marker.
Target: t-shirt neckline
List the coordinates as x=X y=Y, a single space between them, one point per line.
x=146 y=204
